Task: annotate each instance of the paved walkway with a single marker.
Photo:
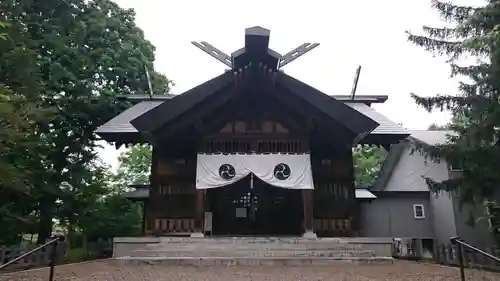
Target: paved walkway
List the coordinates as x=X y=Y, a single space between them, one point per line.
x=108 y=271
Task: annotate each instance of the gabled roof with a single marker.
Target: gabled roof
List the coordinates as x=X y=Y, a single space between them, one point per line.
x=257 y=58
x=155 y=118
x=428 y=137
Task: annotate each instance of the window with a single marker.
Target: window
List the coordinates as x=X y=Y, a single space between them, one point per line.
x=418 y=211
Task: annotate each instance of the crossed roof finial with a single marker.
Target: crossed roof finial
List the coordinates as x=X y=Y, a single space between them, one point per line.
x=256 y=48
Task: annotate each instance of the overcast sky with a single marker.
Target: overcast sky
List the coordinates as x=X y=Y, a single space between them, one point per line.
x=351 y=33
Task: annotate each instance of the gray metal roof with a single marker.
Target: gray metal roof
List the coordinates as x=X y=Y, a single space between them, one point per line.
x=362 y=193
x=430 y=137
x=386 y=127
x=143 y=193
x=427 y=137
x=140 y=193
x=121 y=123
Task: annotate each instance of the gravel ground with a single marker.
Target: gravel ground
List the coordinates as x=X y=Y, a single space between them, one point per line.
x=108 y=271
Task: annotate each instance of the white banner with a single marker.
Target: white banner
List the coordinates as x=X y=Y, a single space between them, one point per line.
x=282 y=170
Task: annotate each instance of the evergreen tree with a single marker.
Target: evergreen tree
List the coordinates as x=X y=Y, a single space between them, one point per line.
x=476 y=109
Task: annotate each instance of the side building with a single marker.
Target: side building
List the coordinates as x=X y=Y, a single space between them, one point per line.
x=405 y=208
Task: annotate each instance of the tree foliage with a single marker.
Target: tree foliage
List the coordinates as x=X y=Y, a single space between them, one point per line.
x=436 y=127
x=474 y=33
x=62 y=63
x=113 y=216
x=134 y=166
x=367 y=163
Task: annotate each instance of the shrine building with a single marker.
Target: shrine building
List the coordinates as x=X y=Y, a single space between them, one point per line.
x=252 y=151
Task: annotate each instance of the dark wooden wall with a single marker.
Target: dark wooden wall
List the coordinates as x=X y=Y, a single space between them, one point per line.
x=172 y=207
x=334 y=198
x=248 y=125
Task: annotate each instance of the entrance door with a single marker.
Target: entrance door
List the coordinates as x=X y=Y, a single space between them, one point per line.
x=230 y=206
x=239 y=209
x=278 y=210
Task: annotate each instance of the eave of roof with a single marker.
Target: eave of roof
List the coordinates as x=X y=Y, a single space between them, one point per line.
x=401 y=194
x=153 y=119
x=119 y=129
x=362 y=193
x=365 y=99
x=352 y=119
x=138 y=194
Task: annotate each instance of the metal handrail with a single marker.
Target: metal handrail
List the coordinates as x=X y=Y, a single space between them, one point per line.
x=461 y=244
x=53 y=255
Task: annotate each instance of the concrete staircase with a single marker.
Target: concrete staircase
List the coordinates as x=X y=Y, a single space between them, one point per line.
x=250 y=251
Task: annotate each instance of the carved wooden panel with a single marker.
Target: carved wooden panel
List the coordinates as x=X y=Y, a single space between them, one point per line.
x=253 y=126
x=167 y=167
x=248 y=145
x=176 y=188
x=173 y=225
x=333 y=227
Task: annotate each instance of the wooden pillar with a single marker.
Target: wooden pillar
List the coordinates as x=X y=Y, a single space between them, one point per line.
x=308 y=201
x=144 y=217
x=199 y=213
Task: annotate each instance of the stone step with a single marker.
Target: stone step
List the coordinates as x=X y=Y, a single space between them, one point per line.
x=251 y=253
x=236 y=240
x=195 y=247
x=246 y=261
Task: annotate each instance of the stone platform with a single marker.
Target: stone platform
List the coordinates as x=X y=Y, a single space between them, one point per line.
x=251 y=250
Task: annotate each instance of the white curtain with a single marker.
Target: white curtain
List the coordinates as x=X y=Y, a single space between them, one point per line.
x=282 y=170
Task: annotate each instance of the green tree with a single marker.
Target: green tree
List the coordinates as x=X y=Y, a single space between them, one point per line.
x=134 y=166
x=436 y=127
x=476 y=109
x=73 y=56
x=112 y=216
x=3 y=35
x=367 y=163
x=19 y=117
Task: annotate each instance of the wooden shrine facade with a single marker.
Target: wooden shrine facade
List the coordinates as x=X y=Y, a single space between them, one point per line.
x=252 y=109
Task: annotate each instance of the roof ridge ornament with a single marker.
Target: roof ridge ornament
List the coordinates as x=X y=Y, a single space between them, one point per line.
x=256 y=48
x=214 y=52
x=296 y=53
x=355 y=84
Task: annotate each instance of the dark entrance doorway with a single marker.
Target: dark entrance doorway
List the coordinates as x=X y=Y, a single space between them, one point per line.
x=239 y=209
